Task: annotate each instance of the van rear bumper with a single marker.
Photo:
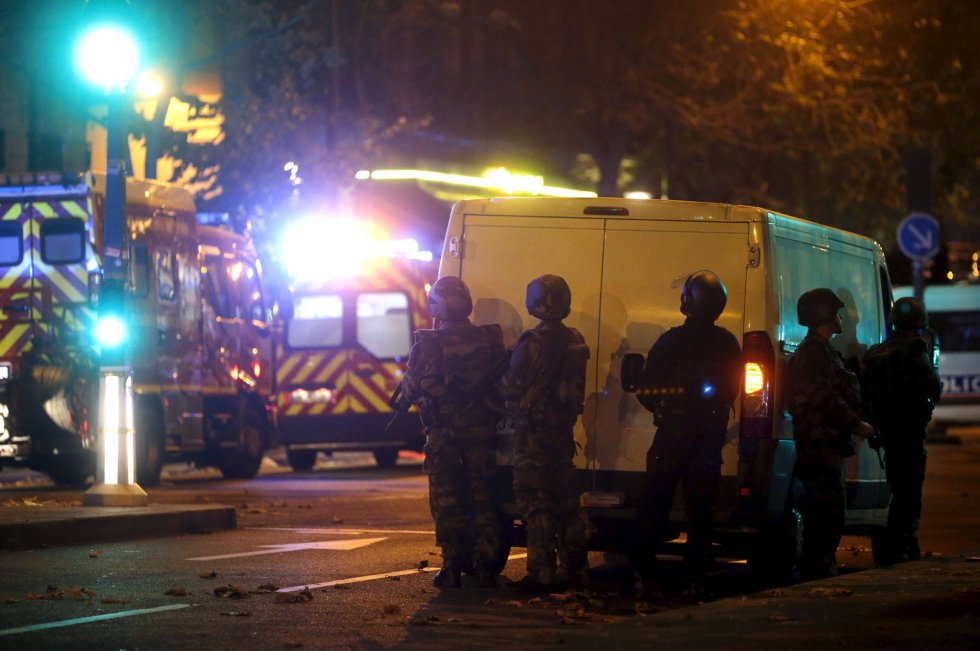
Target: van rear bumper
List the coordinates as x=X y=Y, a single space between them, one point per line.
x=352 y=432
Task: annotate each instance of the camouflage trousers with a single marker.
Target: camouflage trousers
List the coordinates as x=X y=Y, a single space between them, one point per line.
x=906 y=472
x=555 y=524
x=461 y=498
x=821 y=470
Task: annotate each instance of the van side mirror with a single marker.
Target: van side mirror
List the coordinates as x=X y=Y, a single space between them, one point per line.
x=629 y=373
x=284 y=299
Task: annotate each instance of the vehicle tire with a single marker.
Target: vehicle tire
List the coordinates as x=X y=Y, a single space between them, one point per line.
x=386 y=457
x=73 y=471
x=244 y=462
x=301 y=460
x=777 y=559
x=150 y=435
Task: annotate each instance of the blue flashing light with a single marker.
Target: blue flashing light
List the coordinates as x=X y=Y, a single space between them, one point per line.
x=707 y=390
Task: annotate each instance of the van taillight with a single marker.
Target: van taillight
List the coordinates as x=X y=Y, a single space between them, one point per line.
x=760 y=362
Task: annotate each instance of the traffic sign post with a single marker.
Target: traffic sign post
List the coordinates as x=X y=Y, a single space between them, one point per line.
x=918 y=239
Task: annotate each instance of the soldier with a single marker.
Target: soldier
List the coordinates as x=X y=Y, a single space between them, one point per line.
x=825 y=402
x=901 y=388
x=689 y=381
x=546 y=380
x=446 y=378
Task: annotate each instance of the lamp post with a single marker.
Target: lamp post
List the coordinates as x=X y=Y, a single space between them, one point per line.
x=108 y=57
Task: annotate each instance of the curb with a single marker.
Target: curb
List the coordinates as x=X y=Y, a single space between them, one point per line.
x=32 y=527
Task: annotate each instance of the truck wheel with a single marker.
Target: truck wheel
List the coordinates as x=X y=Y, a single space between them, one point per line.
x=150 y=433
x=244 y=462
x=386 y=457
x=73 y=471
x=301 y=460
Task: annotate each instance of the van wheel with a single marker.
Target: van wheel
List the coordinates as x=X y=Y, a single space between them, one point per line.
x=244 y=462
x=777 y=558
x=300 y=460
x=386 y=457
x=150 y=432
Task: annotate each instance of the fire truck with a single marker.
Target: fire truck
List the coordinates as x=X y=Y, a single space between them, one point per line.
x=342 y=342
x=199 y=331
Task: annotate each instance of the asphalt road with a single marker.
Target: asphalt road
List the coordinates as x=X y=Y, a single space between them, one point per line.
x=341 y=557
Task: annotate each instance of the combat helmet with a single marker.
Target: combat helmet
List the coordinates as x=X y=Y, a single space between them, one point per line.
x=704 y=295
x=908 y=314
x=817 y=306
x=549 y=298
x=449 y=299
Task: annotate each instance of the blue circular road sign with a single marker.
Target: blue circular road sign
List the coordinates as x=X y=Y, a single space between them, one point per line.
x=918 y=236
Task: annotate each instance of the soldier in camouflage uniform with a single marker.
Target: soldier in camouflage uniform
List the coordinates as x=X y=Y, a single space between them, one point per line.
x=690 y=380
x=545 y=382
x=446 y=378
x=901 y=387
x=825 y=402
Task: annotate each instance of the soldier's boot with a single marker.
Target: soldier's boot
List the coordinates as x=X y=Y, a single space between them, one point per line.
x=448 y=575
x=485 y=578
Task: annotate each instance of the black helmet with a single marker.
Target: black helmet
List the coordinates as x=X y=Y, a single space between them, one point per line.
x=817 y=306
x=704 y=295
x=449 y=299
x=908 y=314
x=549 y=298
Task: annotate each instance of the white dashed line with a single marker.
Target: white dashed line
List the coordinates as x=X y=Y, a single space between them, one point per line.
x=93 y=618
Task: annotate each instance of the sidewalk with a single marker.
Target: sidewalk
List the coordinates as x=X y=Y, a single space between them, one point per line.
x=29 y=524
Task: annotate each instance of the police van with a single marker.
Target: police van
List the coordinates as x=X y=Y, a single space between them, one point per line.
x=954 y=314
x=626 y=261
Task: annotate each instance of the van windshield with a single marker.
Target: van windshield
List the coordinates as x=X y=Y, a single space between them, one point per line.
x=958 y=331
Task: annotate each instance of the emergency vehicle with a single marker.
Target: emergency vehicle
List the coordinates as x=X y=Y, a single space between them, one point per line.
x=954 y=315
x=625 y=262
x=199 y=327
x=353 y=304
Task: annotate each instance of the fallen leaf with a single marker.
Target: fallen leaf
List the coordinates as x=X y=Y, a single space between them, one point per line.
x=50 y=596
x=337 y=520
x=780 y=617
x=268 y=587
x=176 y=592
x=208 y=575
x=300 y=596
x=973 y=559
x=95 y=553
x=423 y=564
x=393 y=578
x=830 y=592
x=235 y=613
x=231 y=591
x=568 y=621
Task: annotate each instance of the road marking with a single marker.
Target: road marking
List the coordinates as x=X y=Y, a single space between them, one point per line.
x=93 y=618
x=371 y=577
x=345 y=545
x=355 y=532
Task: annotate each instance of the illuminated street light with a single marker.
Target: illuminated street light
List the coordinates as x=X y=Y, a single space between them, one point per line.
x=108 y=56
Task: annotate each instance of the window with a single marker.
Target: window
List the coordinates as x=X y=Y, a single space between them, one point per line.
x=11 y=244
x=317 y=322
x=62 y=241
x=383 y=324
x=959 y=332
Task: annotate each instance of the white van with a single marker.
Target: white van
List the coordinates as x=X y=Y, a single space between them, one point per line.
x=954 y=313
x=625 y=261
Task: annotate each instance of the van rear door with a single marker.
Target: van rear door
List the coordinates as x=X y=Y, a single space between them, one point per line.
x=644 y=265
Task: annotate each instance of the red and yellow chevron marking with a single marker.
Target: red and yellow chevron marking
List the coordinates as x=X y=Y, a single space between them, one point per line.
x=335 y=368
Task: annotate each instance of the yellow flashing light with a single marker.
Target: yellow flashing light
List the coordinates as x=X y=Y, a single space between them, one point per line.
x=754 y=378
x=499 y=179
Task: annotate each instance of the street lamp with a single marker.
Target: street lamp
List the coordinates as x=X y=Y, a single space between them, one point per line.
x=107 y=56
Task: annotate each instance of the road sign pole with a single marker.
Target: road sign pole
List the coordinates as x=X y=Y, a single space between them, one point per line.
x=918 y=279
